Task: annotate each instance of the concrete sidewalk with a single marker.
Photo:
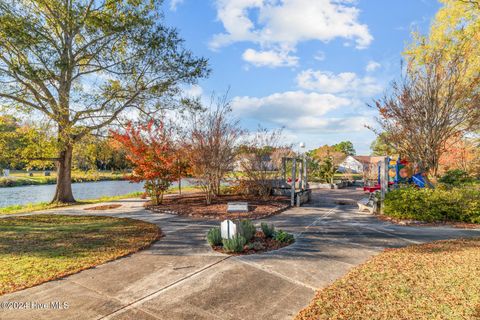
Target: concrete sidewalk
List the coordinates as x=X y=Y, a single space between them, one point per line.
x=180 y=277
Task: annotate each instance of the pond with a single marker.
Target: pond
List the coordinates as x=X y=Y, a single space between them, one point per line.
x=81 y=191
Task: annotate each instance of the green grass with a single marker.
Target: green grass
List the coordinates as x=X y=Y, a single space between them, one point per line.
x=438 y=280
x=36 y=249
x=21 y=178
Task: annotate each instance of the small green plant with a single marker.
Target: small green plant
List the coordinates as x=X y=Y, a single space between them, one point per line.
x=284 y=237
x=234 y=244
x=247 y=229
x=214 y=237
x=268 y=230
x=456 y=178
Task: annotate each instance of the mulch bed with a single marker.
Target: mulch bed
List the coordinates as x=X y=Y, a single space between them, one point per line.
x=416 y=223
x=104 y=207
x=263 y=245
x=194 y=205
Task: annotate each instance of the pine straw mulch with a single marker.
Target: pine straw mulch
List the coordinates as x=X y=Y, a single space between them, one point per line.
x=104 y=207
x=438 y=280
x=194 y=205
x=260 y=244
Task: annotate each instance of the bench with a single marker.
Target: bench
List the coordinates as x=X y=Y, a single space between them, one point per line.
x=365 y=204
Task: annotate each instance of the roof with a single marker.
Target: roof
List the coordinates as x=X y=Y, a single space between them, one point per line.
x=368 y=159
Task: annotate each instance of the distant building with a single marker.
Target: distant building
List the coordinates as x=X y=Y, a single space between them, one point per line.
x=358 y=164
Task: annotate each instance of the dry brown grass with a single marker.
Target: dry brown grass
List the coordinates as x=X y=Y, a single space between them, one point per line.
x=439 y=280
x=39 y=248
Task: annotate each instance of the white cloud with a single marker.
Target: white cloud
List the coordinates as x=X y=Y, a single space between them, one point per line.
x=269 y=58
x=284 y=24
x=292 y=109
x=346 y=82
x=174 y=4
x=372 y=66
x=301 y=112
x=330 y=124
x=194 y=91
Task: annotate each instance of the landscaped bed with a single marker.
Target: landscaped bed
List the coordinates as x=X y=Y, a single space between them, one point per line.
x=248 y=239
x=439 y=280
x=39 y=248
x=194 y=205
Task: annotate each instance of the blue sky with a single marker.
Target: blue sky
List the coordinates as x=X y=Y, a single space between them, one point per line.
x=310 y=66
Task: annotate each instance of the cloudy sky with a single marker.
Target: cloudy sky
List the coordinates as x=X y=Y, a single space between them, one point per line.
x=310 y=66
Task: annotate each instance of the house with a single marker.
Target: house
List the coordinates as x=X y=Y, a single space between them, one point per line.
x=359 y=164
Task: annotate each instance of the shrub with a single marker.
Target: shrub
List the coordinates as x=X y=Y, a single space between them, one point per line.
x=214 y=237
x=430 y=205
x=247 y=229
x=284 y=237
x=257 y=246
x=234 y=244
x=268 y=230
x=456 y=177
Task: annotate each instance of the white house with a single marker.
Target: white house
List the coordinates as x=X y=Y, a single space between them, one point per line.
x=358 y=164
x=350 y=164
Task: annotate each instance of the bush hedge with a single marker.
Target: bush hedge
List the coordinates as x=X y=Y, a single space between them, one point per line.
x=214 y=236
x=431 y=205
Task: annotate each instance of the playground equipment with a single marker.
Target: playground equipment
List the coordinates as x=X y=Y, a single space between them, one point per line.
x=394 y=173
x=391 y=175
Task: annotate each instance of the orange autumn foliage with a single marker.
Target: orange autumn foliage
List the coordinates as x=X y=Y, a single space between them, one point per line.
x=151 y=151
x=461 y=154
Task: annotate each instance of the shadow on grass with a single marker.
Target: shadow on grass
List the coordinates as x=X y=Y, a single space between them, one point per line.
x=39 y=248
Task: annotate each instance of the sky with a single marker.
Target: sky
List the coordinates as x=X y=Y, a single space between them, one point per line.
x=309 y=66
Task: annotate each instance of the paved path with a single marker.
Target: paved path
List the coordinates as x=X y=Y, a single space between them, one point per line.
x=179 y=277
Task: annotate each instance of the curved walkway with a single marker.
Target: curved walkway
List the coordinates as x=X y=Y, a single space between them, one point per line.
x=179 y=277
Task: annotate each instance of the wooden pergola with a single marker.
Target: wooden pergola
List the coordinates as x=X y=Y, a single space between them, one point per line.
x=299 y=172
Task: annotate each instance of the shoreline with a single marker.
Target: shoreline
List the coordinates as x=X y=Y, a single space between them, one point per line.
x=12 y=181
x=32 y=207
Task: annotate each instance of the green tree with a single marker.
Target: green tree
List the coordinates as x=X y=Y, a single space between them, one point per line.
x=346 y=147
x=9 y=140
x=327 y=170
x=456 y=30
x=38 y=147
x=83 y=63
x=380 y=146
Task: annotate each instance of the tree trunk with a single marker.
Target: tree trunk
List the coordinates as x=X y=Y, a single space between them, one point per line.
x=63 y=192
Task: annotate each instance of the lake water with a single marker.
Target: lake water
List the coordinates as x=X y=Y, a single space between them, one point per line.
x=81 y=191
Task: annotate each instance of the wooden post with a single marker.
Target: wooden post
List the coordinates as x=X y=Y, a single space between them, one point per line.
x=294 y=174
x=305 y=172
x=300 y=175
x=284 y=169
x=383 y=182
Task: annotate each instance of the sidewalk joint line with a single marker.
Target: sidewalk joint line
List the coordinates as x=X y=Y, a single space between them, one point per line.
x=150 y=295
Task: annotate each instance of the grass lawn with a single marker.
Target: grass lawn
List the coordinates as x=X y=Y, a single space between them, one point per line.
x=439 y=280
x=39 y=248
x=21 y=178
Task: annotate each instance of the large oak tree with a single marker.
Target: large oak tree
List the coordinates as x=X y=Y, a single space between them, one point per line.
x=82 y=63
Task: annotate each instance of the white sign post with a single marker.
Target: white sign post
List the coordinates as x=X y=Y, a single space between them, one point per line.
x=228 y=229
